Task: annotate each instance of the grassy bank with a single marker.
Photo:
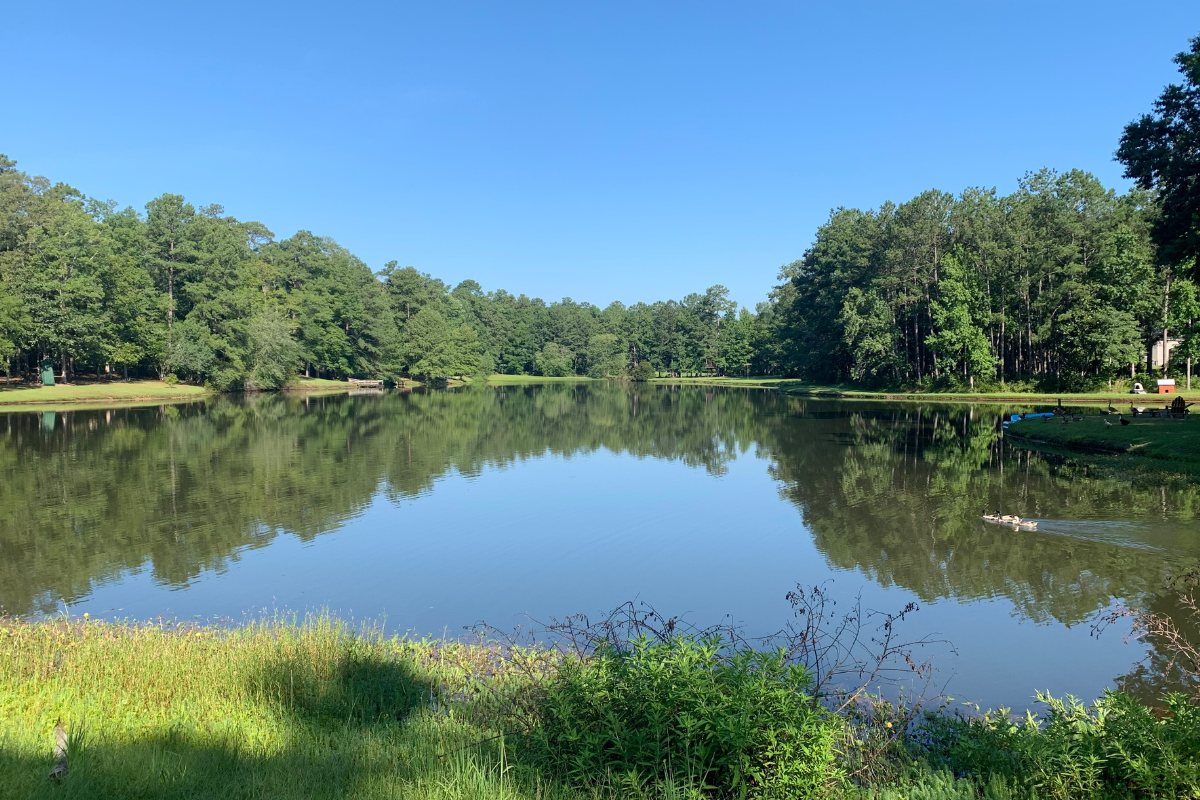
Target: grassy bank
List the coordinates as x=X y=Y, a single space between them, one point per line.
x=19 y=397
x=326 y=386
x=724 y=381
x=1001 y=396
x=1146 y=444
x=521 y=380
x=846 y=391
x=100 y=392
x=270 y=710
x=314 y=710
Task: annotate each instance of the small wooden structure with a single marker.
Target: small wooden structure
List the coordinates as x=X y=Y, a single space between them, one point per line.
x=1166 y=386
x=362 y=383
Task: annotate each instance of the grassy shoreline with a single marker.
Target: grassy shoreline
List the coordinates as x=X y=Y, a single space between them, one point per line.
x=97 y=393
x=104 y=394
x=273 y=709
x=288 y=708
x=1146 y=446
x=1002 y=396
x=523 y=380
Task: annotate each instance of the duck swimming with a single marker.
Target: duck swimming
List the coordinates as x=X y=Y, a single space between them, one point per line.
x=1011 y=519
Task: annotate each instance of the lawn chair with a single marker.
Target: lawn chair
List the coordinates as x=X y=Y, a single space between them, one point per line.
x=1179 y=408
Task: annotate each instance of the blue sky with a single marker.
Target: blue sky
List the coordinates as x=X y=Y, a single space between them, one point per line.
x=602 y=151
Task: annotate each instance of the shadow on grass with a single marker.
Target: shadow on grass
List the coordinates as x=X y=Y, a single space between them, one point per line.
x=346 y=725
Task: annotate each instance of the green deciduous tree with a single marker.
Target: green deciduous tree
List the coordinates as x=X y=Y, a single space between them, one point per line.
x=555 y=361
x=14 y=324
x=606 y=356
x=428 y=348
x=959 y=315
x=735 y=343
x=868 y=334
x=271 y=361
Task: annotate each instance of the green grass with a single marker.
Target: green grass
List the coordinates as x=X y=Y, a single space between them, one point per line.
x=271 y=710
x=505 y=380
x=724 y=381
x=846 y=391
x=284 y=708
x=319 y=383
x=1146 y=449
x=101 y=392
x=1171 y=440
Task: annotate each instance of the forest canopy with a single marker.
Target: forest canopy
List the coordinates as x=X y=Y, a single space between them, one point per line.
x=1062 y=284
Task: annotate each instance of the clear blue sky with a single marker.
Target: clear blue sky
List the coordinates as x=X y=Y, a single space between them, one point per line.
x=602 y=151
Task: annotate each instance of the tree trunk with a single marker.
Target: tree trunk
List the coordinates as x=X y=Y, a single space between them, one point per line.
x=1003 y=322
x=1166 y=356
x=171 y=292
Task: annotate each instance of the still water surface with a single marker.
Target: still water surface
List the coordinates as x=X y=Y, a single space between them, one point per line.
x=435 y=511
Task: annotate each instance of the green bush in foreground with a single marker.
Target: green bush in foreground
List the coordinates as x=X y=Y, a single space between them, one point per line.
x=733 y=724
x=1115 y=749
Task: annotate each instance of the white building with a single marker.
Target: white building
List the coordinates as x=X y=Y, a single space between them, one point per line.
x=1156 y=353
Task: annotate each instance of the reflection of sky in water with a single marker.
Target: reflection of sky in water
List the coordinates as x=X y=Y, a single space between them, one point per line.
x=551 y=536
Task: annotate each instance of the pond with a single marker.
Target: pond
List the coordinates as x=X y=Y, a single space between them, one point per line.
x=433 y=511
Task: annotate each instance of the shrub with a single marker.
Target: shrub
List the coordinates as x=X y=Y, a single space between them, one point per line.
x=171 y=380
x=642 y=372
x=1115 y=748
x=687 y=710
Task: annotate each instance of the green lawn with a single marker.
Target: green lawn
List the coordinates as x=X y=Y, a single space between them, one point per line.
x=807 y=388
x=102 y=392
x=319 y=383
x=724 y=381
x=1171 y=440
x=272 y=710
x=1118 y=399
x=531 y=379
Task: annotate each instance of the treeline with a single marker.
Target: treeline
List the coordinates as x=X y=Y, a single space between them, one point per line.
x=1057 y=284
x=201 y=296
